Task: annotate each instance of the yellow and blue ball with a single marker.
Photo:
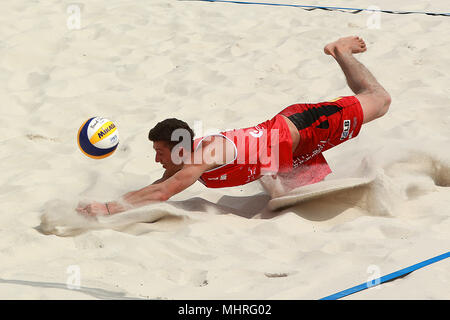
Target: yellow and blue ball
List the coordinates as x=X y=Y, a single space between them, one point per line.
x=98 y=138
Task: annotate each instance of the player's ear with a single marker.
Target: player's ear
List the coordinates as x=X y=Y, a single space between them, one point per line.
x=176 y=155
x=183 y=154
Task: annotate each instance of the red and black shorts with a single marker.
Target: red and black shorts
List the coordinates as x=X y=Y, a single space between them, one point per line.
x=326 y=124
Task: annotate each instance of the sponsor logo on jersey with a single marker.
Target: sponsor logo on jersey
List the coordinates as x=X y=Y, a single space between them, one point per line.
x=345 y=129
x=306 y=157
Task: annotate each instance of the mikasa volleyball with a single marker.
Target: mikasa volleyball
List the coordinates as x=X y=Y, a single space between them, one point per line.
x=98 y=138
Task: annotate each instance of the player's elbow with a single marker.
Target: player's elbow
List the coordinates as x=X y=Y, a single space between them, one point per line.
x=156 y=193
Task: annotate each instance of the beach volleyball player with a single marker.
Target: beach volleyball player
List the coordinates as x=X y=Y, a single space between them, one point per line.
x=287 y=148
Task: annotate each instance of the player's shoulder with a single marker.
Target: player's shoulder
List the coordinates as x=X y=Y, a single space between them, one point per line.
x=215 y=140
x=213 y=150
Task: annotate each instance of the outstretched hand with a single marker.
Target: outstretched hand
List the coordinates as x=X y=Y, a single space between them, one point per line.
x=93 y=209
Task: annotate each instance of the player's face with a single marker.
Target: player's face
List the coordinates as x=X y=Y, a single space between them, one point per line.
x=163 y=154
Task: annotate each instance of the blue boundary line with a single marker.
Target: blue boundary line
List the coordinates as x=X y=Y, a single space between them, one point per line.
x=389 y=277
x=309 y=8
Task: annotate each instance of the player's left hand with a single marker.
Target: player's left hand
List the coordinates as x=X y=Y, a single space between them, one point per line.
x=93 y=209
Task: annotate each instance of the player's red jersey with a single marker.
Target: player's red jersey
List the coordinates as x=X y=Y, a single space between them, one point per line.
x=267 y=147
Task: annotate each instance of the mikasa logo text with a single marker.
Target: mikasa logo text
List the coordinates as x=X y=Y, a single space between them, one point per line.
x=104 y=132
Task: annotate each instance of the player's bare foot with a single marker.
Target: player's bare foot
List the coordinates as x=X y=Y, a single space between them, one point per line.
x=349 y=45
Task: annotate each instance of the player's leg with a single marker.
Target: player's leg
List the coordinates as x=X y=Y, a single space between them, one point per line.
x=374 y=99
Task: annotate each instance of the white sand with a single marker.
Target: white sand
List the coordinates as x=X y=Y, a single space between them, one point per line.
x=224 y=66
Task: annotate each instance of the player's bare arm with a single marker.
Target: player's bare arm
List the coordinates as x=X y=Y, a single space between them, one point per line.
x=163 y=191
x=212 y=154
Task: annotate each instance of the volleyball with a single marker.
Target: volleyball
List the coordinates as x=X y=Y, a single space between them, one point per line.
x=98 y=138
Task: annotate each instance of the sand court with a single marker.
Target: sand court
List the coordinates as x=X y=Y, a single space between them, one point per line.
x=221 y=66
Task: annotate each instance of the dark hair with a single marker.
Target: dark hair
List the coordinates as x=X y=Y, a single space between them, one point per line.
x=164 y=129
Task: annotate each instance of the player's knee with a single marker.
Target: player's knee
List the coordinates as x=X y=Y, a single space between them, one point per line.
x=382 y=101
x=375 y=103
